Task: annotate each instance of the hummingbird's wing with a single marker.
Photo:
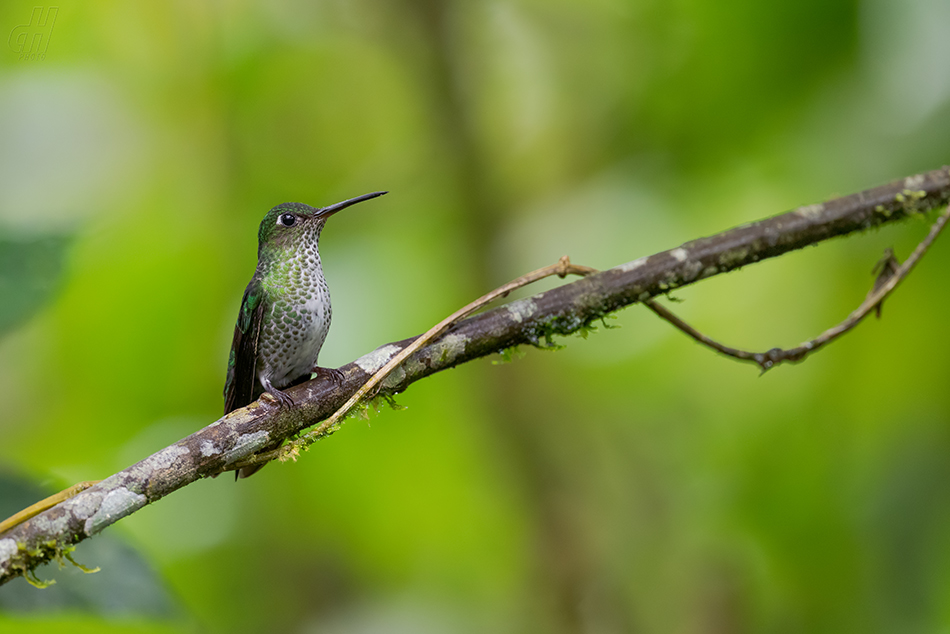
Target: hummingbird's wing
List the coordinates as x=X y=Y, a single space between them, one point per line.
x=242 y=364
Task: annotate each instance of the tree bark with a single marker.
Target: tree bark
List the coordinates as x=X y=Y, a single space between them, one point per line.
x=534 y=320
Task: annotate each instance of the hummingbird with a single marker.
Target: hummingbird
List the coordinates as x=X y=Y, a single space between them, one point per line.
x=285 y=313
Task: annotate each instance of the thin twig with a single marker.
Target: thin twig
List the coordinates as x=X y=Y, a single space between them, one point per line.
x=890 y=276
x=886 y=267
x=291 y=450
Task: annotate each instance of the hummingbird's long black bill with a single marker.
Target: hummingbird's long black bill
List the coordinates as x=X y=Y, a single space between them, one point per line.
x=326 y=212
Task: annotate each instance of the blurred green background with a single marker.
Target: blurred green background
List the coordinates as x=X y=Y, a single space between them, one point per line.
x=631 y=482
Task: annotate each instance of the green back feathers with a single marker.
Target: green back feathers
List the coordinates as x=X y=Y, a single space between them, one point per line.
x=241 y=381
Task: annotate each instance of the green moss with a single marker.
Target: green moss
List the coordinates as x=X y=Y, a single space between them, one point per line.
x=563 y=325
x=913 y=200
x=589 y=327
x=388 y=399
x=509 y=355
x=67 y=554
x=733 y=257
x=584 y=331
x=35 y=581
x=27 y=559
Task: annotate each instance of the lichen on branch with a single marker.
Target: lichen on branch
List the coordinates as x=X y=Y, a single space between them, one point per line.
x=561 y=311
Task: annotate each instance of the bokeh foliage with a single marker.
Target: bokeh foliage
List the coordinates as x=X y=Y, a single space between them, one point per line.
x=629 y=482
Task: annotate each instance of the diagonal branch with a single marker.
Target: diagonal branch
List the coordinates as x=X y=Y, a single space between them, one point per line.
x=560 y=311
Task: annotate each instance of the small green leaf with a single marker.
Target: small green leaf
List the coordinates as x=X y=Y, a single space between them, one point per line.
x=30 y=270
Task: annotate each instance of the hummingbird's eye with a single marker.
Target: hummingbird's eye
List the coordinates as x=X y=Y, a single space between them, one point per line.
x=287 y=220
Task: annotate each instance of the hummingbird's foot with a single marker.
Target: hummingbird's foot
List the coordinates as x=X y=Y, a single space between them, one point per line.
x=282 y=399
x=273 y=395
x=331 y=374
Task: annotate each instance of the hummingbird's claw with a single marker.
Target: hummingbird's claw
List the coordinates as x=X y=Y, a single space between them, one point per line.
x=331 y=374
x=274 y=396
x=283 y=398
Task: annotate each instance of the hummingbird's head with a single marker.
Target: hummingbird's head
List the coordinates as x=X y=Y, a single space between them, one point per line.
x=289 y=224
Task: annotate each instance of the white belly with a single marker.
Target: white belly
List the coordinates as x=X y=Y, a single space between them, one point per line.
x=288 y=351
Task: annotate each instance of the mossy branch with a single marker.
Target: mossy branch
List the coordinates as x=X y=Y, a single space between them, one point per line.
x=560 y=311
